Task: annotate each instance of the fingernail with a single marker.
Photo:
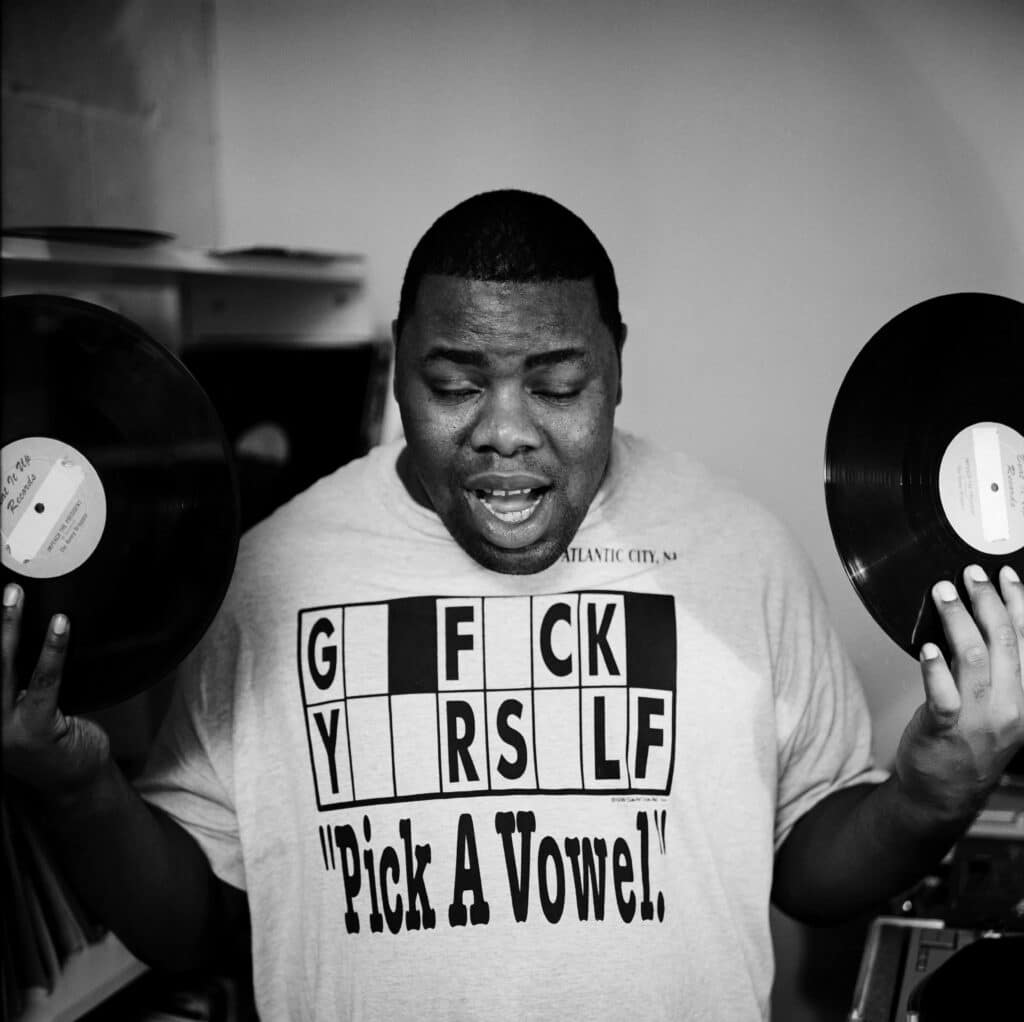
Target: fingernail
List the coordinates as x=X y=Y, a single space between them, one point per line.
x=929 y=651
x=946 y=592
x=1009 y=574
x=60 y=624
x=977 y=573
x=10 y=595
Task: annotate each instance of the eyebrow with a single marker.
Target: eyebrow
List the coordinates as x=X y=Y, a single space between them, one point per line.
x=476 y=358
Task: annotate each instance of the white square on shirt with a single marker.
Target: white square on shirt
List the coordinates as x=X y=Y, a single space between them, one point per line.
x=369 y=730
x=366 y=649
x=460 y=644
x=556 y=722
x=328 y=742
x=414 y=731
x=556 y=641
x=320 y=660
x=464 y=764
x=507 y=641
x=603 y=639
x=651 y=738
x=604 y=738
x=510 y=739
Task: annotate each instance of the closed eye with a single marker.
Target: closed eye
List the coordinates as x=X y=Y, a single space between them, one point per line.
x=454 y=391
x=557 y=393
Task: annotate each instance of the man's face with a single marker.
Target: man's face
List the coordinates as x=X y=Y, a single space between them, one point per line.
x=507 y=393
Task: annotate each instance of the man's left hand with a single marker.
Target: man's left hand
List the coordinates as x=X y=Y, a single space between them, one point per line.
x=972 y=721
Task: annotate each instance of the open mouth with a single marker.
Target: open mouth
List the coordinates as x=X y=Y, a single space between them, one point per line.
x=511 y=506
x=512 y=509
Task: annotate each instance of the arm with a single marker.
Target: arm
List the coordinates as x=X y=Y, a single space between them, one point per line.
x=863 y=844
x=142 y=874
x=138 y=871
x=854 y=849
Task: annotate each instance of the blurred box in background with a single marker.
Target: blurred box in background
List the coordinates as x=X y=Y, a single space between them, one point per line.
x=292 y=413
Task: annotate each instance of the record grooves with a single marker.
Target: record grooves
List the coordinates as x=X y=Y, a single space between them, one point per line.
x=924 y=458
x=120 y=502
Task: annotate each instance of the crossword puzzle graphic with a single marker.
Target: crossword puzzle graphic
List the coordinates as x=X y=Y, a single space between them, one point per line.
x=428 y=697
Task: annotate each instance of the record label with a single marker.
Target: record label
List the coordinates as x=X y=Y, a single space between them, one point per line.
x=53 y=507
x=981 y=487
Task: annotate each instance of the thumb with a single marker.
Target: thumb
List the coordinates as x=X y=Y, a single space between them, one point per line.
x=942 y=697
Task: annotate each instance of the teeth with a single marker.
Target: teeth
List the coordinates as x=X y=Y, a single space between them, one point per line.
x=505 y=493
x=511 y=517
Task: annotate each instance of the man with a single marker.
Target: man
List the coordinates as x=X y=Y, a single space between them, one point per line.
x=523 y=718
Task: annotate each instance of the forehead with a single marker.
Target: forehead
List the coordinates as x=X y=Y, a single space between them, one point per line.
x=500 y=313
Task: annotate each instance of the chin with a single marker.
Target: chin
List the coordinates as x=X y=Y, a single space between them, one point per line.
x=527 y=561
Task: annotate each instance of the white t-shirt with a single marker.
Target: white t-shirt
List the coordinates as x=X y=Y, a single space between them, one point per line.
x=456 y=794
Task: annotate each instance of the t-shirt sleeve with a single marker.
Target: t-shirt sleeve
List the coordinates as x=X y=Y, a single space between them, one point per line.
x=823 y=728
x=189 y=773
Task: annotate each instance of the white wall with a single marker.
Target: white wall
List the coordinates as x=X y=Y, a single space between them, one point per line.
x=772 y=181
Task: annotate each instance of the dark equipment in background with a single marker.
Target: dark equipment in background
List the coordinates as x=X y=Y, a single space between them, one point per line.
x=292 y=413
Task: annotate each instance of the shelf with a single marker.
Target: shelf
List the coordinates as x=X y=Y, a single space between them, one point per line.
x=181 y=296
x=89 y=977
x=166 y=260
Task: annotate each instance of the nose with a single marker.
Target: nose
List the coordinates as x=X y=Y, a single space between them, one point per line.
x=504 y=424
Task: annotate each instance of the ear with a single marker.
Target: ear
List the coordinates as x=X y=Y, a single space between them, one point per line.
x=394 y=364
x=618 y=352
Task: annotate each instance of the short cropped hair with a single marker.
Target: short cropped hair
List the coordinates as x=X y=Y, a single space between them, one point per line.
x=515 y=236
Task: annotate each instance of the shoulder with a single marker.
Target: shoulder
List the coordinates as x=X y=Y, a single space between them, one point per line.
x=337 y=510
x=347 y=496
x=704 y=506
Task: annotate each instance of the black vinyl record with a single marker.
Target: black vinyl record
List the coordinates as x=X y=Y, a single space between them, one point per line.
x=120 y=505
x=924 y=458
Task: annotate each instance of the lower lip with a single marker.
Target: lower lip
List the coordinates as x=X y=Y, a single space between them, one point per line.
x=511 y=535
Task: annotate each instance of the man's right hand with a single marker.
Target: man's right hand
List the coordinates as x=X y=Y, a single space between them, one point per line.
x=136 y=869
x=53 y=753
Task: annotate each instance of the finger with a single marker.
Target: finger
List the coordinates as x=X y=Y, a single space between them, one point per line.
x=969 y=653
x=39 y=702
x=942 y=697
x=13 y=597
x=993 y=619
x=1013 y=598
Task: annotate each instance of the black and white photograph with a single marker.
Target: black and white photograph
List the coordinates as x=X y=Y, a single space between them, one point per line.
x=512 y=511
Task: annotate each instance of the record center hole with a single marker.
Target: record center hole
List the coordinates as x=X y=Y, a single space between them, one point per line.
x=40 y=508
